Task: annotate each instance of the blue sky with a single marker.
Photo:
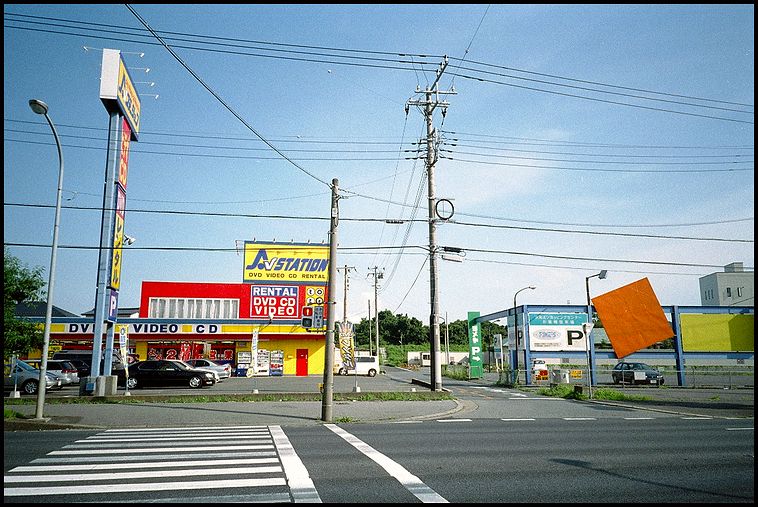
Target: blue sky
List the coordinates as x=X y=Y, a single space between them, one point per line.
x=523 y=157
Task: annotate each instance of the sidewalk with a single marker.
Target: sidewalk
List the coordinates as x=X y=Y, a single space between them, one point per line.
x=738 y=403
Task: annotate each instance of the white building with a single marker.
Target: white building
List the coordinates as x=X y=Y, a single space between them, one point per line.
x=732 y=287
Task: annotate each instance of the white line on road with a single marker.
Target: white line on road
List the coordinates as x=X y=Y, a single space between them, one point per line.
x=158 y=449
x=147 y=474
x=639 y=418
x=184 y=430
x=174 y=439
x=154 y=486
x=524 y=419
x=161 y=464
x=739 y=429
x=453 y=420
x=403 y=476
x=579 y=419
x=299 y=481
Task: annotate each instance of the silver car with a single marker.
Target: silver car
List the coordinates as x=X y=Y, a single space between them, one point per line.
x=25 y=378
x=64 y=370
x=223 y=370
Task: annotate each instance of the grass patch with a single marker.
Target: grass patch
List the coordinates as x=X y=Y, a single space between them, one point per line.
x=344 y=420
x=12 y=414
x=261 y=397
x=567 y=391
x=614 y=395
x=457 y=372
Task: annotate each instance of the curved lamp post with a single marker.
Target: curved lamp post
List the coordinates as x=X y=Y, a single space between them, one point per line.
x=40 y=107
x=601 y=276
x=515 y=326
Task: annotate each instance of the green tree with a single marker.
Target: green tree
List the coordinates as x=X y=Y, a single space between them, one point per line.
x=20 y=285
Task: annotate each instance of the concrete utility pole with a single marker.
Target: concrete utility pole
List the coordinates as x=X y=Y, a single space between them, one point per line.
x=430 y=103
x=328 y=394
x=377 y=276
x=344 y=295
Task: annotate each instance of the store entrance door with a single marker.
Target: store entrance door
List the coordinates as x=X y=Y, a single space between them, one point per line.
x=301 y=366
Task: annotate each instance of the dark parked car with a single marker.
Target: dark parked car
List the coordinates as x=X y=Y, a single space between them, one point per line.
x=82 y=359
x=636 y=373
x=159 y=373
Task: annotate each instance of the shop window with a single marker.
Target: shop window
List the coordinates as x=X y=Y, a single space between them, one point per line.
x=177 y=308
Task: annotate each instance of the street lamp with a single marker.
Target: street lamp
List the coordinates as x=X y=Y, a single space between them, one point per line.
x=515 y=326
x=601 y=276
x=40 y=107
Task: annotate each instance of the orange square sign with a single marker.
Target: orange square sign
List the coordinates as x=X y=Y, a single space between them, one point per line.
x=632 y=317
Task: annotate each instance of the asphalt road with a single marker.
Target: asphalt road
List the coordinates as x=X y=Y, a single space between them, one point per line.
x=550 y=460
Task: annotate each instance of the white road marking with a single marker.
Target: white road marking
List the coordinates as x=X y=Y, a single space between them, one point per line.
x=173 y=439
x=176 y=457
x=136 y=487
x=158 y=449
x=579 y=419
x=299 y=481
x=525 y=419
x=739 y=429
x=453 y=420
x=698 y=418
x=403 y=476
x=160 y=464
x=639 y=418
x=148 y=474
x=184 y=430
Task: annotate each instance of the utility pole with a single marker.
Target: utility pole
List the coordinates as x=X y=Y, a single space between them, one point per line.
x=344 y=294
x=430 y=102
x=369 y=327
x=328 y=394
x=377 y=276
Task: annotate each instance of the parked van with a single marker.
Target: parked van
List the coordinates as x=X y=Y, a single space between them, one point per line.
x=364 y=365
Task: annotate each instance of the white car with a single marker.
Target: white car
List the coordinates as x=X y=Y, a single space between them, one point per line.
x=222 y=370
x=364 y=365
x=216 y=376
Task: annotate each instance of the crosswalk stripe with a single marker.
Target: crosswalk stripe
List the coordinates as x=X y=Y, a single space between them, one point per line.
x=159 y=449
x=148 y=474
x=160 y=464
x=141 y=486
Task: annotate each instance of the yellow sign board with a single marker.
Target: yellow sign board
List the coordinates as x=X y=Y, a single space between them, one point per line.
x=286 y=262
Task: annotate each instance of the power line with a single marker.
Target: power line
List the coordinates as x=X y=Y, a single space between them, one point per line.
x=605 y=101
x=381 y=220
x=411 y=62
x=212 y=92
x=372 y=248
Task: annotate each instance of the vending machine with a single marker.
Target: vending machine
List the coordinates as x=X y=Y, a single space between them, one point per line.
x=244 y=358
x=276 y=367
x=262 y=362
